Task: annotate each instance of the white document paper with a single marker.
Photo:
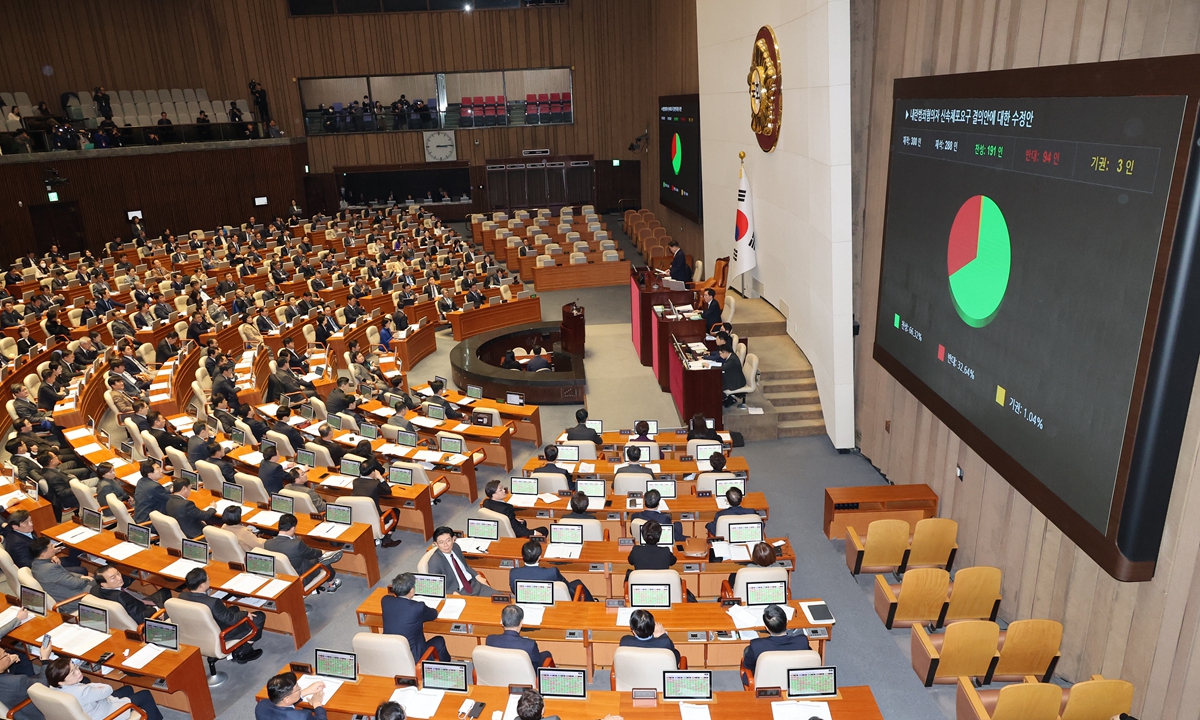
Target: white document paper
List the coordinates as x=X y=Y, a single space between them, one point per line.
x=595 y=503
x=722 y=503
x=425 y=391
x=562 y=551
x=253 y=457
x=221 y=504
x=428 y=423
x=739 y=552
x=159 y=398
x=180 y=568
x=314 y=429
x=794 y=710
x=10 y=498
x=422 y=704
x=452 y=608
x=266 y=517
x=623 y=616
x=393 y=449
x=430 y=602
x=548 y=498
x=720 y=549
x=10 y=613
x=383 y=412
x=460 y=427
x=510 y=709
x=272 y=588
x=331 y=685
x=533 y=614
x=77 y=433
x=474 y=546
x=464 y=402
x=342 y=481
x=523 y=501
x=161 y=386
x=244 y=583
x=89 y=449
x=79 y=534
x=268 y=409
x=689 y=711
x=328 y=530
x=587 y=467
x=456 y=459
x=121 y=551
x=76 y=640
x=428 y=455
x=142 y=657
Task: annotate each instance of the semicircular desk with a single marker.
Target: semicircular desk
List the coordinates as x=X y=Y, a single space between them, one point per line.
x=476 y=361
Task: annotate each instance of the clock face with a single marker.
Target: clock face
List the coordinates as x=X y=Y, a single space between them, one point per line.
x=440 y=147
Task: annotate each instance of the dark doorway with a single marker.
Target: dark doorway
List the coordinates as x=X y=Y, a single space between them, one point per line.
x=58 y=223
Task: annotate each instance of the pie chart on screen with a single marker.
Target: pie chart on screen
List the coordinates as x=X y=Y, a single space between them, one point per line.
x=676 y=153
x=978 y=260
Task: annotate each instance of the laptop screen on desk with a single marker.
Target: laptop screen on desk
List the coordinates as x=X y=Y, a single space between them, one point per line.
x=260 y=564
x=481 y=529
x=745 y=532
x=665 y=488
x=435 y=412
x=307 y=458
x=444 y=676
x=334 y=422
x=430 y=585
x=591 y=488
x=535 y=592
x=523 y=486
x=350 y=467
x=597 y=425
x=706 y=451
x=239 y=436
x=195 y=550
x=368 y=431
x=340 y=514
x=650 y=595
x=33 y=600
x=90 y=519
x=514 y=398
x=340 y=665
x=400 y=475
x=687 y=685
x=568 y=453
x=562 y=683
x=450 y=445
x=162 y=634
x=566 y=533
x=232 y=492
x=407 y=439
x=812 y=682
x=283 y=504
x=766 y=593
x=93 y=618
x=267 y=448
x=474 y=391
x=723 y=485
x=138 y=535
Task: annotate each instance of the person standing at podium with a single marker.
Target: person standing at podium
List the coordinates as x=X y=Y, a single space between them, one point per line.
x=679 y=267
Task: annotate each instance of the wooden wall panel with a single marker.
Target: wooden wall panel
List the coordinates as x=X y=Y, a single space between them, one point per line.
x=179 y=190
x=1147 y=632
x=625 y=53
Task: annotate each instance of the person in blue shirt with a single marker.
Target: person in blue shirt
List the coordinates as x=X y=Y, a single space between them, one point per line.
x=385 y=335
x=648 y=633
x=510 y=618
x=283 y=693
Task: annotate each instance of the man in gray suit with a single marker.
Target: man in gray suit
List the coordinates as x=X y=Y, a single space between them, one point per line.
x=302 y=557
x=58 y=582
x=450 y=561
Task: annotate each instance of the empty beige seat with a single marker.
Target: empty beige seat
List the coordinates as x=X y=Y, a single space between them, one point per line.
x=921 y=597
x=966 y=649
x=974 y=595
x=883 y=550
x=1029 y=647
x=934 y=544
x=1026 y=701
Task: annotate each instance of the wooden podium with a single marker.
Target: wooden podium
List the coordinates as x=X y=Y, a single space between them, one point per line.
x=647 y=290
x=573 y=329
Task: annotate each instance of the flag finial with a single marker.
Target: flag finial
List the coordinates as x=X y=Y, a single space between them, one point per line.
x=742 y=155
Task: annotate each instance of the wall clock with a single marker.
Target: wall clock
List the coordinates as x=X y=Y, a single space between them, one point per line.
x=766 y=89
x=439 y=146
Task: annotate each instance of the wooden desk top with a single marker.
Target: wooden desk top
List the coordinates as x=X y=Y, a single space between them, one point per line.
x=735 y=464
x=364 y=696
x=681 y=617
x=675 y=506
x=608 y=551
x=880 y=493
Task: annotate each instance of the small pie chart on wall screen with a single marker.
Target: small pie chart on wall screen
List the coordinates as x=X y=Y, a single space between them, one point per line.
x=978 y=260
x=676 y=153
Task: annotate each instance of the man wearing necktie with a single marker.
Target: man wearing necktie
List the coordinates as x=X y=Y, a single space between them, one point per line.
x=450 y=562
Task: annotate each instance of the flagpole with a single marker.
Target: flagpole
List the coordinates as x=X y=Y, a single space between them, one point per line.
x=741 y=171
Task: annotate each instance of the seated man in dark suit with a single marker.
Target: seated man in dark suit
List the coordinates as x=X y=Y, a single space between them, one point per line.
x=226 y=616
x=650 y=512
x=197 y=444
x=579 y=508
x=510 y=618
x=537 y=362
x=679 y=267
x=551 y=453
x=581 y=431
x=698 y=429
x=633 y=454
x=283 y=693
x=494 y=494
x=302 y=557
x=110 y=585
x=283 y=428
x=436 y=398
x=191 y=519
x=531 y=553
x=648 y=634
x=712 y=310
x=732 y=375
x=339 y=399
x=272 y=474
x=167 y=349
x=780 y=638
x=404 y=616
x=162 y=433
x=734 y=497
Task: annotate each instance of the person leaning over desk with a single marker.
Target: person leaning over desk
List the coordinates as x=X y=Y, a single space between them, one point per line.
x=283 y=693
x=402 y=615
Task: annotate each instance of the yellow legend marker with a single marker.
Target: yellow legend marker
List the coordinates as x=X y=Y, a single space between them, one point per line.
x=999 y=395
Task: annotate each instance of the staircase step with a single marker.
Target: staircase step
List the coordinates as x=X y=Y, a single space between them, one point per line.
x=799 y=412
x=771 y=375
x=800 y=397
x=801 y=428
x=776 y=387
